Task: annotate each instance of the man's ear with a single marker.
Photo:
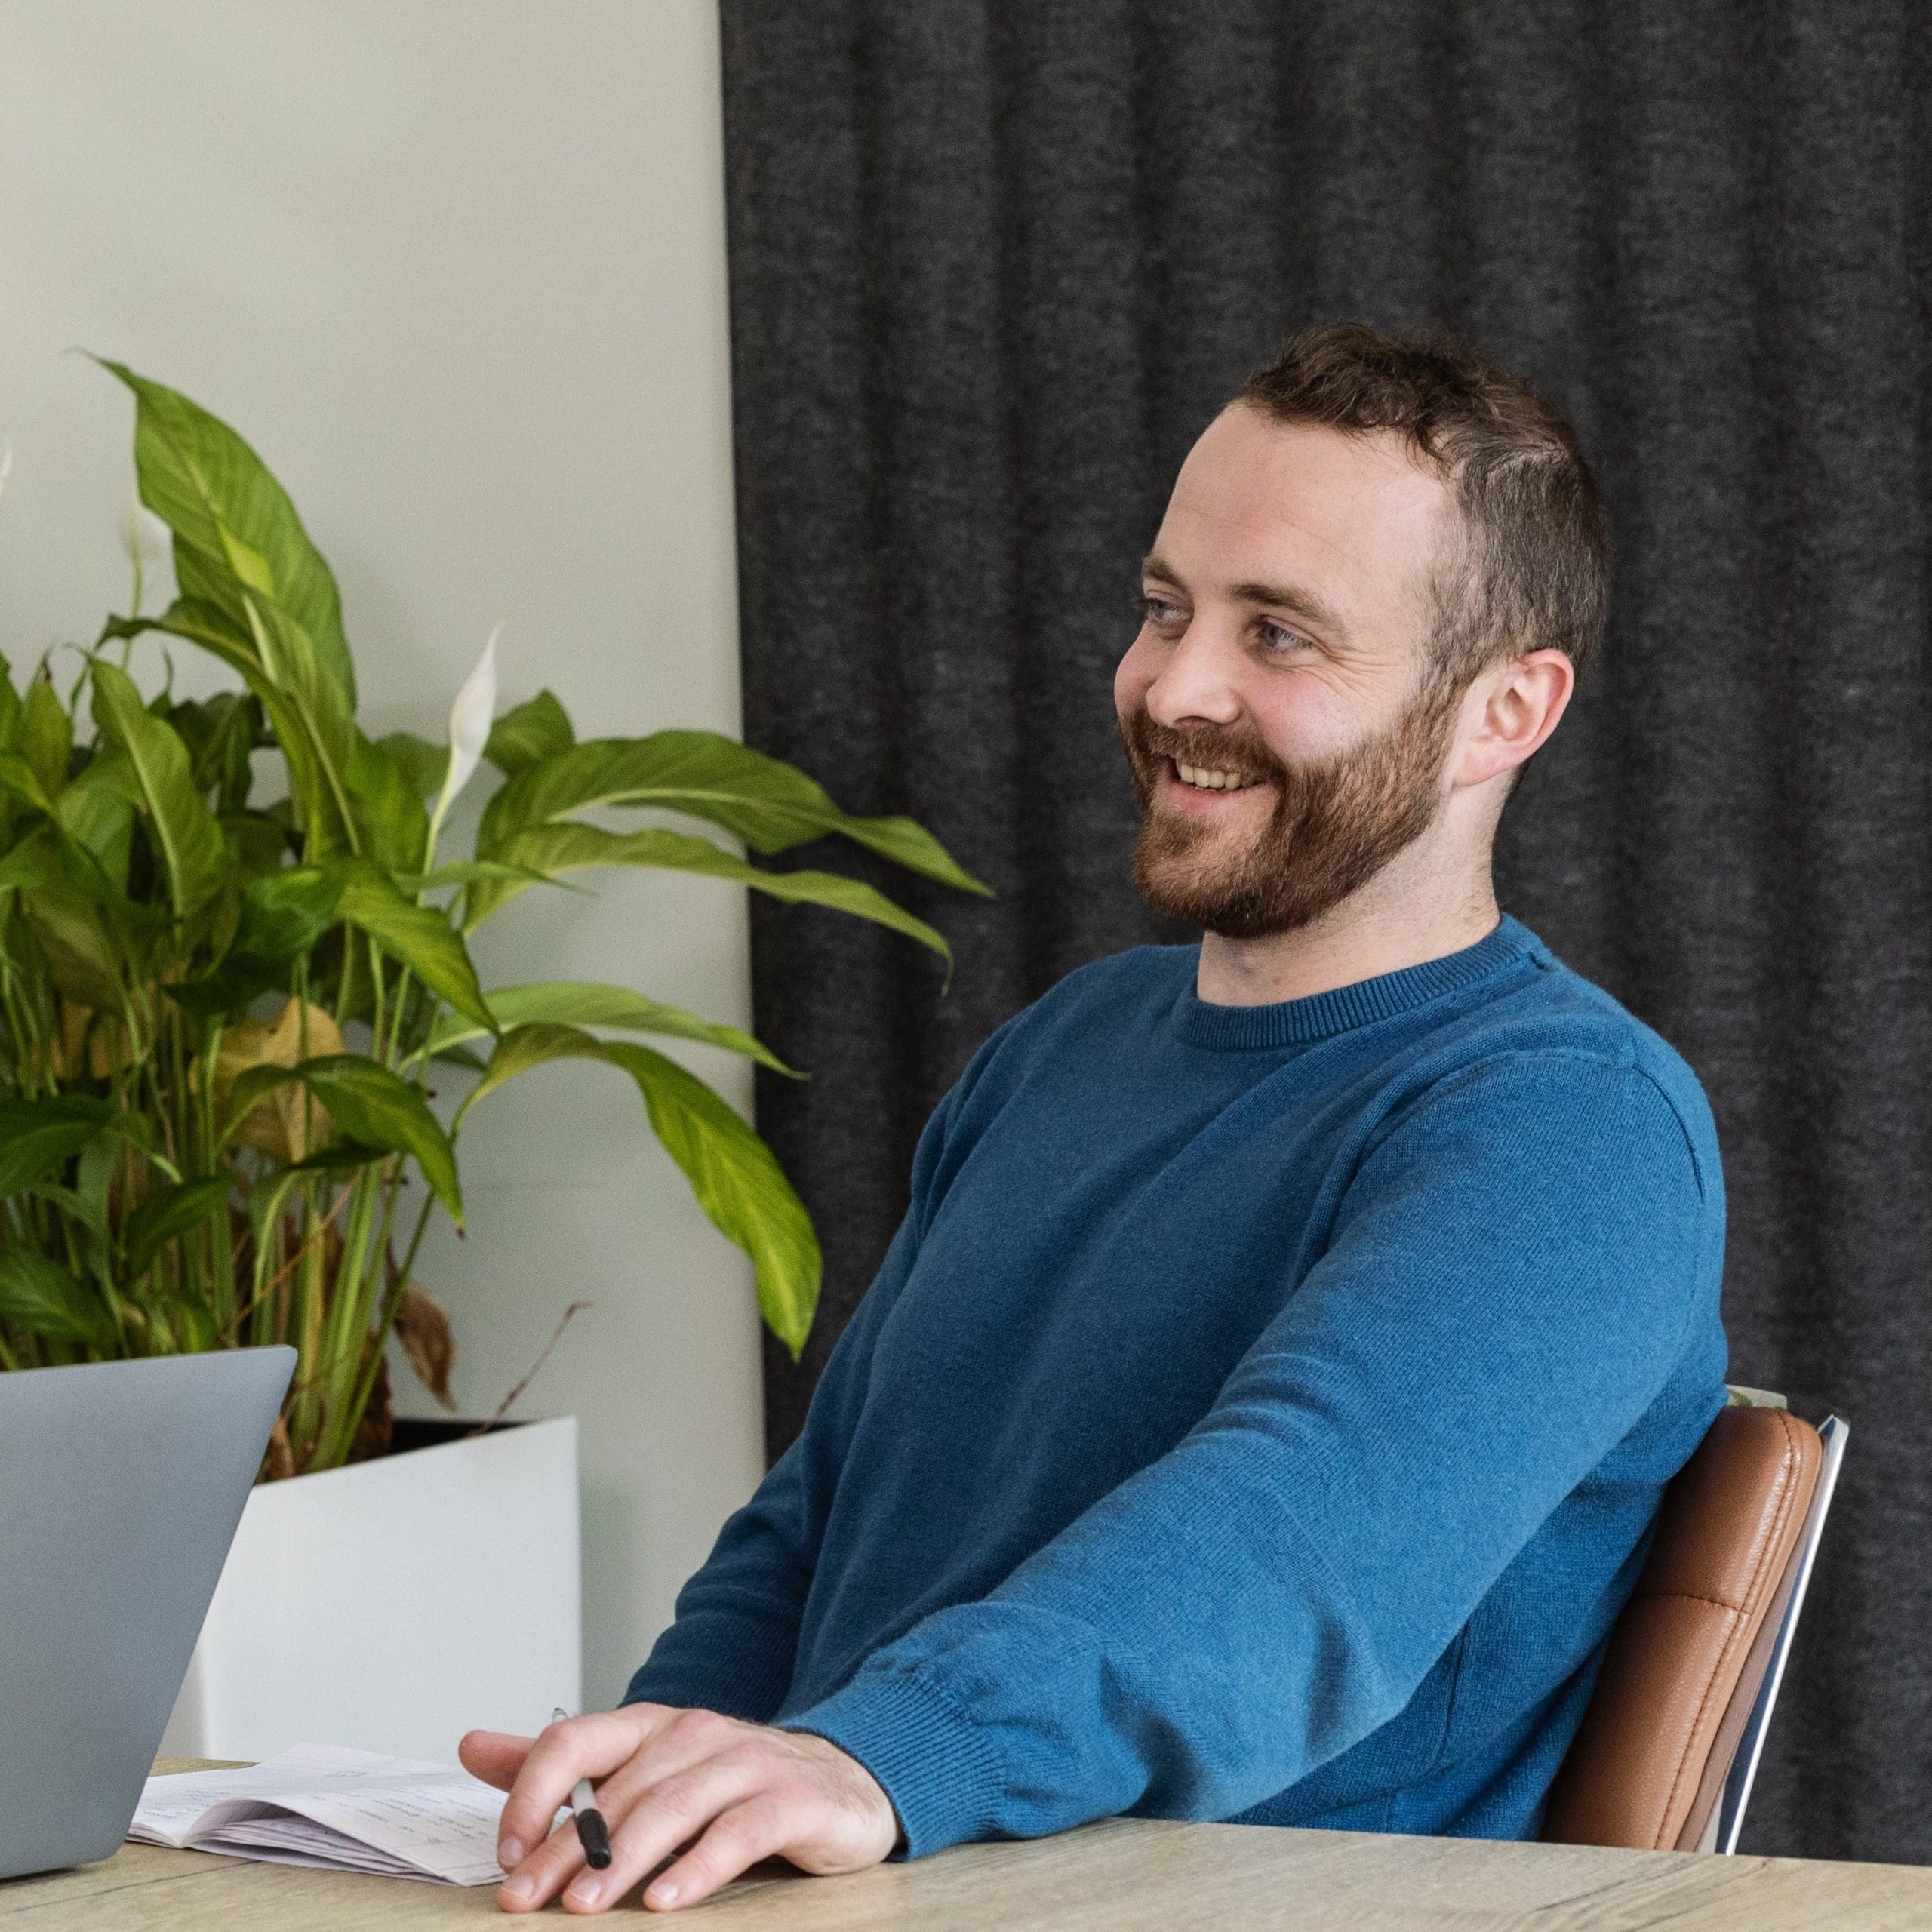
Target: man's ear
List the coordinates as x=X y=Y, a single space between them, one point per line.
x=1510 y=709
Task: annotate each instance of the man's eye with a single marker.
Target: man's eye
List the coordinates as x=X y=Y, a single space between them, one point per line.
x=1159 y=610
x=1280 y=639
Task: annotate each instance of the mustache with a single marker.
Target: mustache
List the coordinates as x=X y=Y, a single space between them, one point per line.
x=1149 y=743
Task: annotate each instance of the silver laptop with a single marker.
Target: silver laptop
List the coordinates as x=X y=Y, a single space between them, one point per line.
x=121 y=1484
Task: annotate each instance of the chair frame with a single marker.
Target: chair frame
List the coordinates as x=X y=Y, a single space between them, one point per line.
x=1727 y=1815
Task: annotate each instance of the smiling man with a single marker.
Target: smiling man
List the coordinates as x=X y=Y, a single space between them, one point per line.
x=1262 y=1412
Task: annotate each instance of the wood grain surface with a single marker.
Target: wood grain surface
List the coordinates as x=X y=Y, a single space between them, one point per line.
x=1120 y=1876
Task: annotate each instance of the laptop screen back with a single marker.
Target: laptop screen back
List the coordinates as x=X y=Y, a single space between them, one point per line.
x=121 y=1486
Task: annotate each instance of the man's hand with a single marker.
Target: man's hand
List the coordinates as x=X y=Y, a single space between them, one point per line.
x=665 y=1778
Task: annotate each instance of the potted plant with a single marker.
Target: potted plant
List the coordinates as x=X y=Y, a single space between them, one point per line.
x=220 y=1015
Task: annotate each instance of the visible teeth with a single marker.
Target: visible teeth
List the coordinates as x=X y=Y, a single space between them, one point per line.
x=1205 y=780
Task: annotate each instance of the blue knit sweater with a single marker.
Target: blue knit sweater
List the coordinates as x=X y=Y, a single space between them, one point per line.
x=1260 y=1414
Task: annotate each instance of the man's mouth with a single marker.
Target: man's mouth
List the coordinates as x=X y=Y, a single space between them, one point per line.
x=1208 y=778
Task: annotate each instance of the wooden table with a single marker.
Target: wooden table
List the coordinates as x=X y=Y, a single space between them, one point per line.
x=1116 y=1877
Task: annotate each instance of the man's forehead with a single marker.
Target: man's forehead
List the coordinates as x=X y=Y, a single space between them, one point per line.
x=1355 y=518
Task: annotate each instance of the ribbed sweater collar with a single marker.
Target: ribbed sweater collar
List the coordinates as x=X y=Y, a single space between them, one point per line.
x=1321 y=1015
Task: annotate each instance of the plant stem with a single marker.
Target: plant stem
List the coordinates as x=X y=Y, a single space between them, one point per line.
x=341 y=1363
x=375 y=982
x=391 y=1305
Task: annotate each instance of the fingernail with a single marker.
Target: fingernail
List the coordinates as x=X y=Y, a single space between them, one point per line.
x=586 y=1889
x=665 y=1894
x=509 y=1853
x=519 y=1888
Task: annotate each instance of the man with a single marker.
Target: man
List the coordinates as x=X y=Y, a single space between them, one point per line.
x=1262 y=1411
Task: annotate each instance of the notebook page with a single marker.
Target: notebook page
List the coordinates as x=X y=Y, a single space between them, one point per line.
x=281 y=1838
x=425 y=1820
x=170 y=1805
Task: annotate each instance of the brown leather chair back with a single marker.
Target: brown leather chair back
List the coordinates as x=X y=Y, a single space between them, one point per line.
x=1687 y=1653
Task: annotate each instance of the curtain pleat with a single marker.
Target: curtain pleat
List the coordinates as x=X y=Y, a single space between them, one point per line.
x=994 y=266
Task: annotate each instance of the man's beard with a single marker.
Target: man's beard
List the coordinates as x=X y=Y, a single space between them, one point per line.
x=1333 y=826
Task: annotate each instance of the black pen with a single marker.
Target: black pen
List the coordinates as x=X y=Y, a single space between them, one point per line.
x=591 y=1832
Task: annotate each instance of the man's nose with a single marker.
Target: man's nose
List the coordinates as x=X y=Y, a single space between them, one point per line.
x=1198 y=684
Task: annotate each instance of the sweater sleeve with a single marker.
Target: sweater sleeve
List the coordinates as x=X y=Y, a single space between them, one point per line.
x=734 y=1641
x=1511 y=1274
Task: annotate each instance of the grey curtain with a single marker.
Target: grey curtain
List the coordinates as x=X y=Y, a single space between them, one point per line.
x=994 y=266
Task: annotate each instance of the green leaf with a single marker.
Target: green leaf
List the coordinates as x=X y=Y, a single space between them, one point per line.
x=284 y=914
x=220 y=734
x=245 y=563
x=471 y=871
x=733 y=1175
x=339 y=1157
x=539 y=728
x=421 y=936
x=314 y=725
x=587 y=1003
x=311 y=720
x=40 y=1296
x=234 y=525
x=46 y=735
x=20 y=781
x=420 y=762
x=100 y=1160
x=563 y=848
x=183 y=827
x=377 y=1108
x=38 y=1137
x=256 y=843
x=374 y=1107
x=770 y=805
x=34 y=861
x=11 y=715
x=399 y=826
x=96 y=812
x=72 y=866
x=83 y=959
x=89 y=1213
x=169 y=1213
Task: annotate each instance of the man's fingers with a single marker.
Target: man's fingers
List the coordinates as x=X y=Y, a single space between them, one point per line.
x=689 y=1738
x=737 y=1839
x=586 y=1747
x=494 y=1756
x=671 y=1813
x=544 y=1874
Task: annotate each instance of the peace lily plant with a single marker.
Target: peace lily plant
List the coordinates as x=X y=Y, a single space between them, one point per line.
x=219 y=1016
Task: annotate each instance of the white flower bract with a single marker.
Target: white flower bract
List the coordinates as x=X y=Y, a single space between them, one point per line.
x=471 y=717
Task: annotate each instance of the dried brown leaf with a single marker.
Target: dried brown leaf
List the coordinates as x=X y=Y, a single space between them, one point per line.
x=423 y=1326
x=280 y=1460
x=289 y=1123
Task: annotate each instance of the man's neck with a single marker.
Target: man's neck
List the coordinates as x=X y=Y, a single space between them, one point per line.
x=1372 y=932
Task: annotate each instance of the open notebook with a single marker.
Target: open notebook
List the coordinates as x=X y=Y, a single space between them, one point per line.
x=344 y=1810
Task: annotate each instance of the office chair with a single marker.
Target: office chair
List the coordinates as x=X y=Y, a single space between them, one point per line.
x=1669 y=1746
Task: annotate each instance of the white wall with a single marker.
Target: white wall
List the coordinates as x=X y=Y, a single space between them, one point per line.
x=455 y=268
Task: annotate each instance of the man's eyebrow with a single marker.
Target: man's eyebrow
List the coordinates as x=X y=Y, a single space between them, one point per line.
x=1305 y=603
x=1293 y=597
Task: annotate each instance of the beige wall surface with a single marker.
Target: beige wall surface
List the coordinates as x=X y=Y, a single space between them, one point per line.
x=455 y=268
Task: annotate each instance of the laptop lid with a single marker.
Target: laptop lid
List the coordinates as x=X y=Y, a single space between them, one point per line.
x=121 y=1486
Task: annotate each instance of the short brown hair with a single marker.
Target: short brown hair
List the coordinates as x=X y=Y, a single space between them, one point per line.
x=1533 y=570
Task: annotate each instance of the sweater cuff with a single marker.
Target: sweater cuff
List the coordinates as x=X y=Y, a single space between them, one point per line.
x=937 y=1767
